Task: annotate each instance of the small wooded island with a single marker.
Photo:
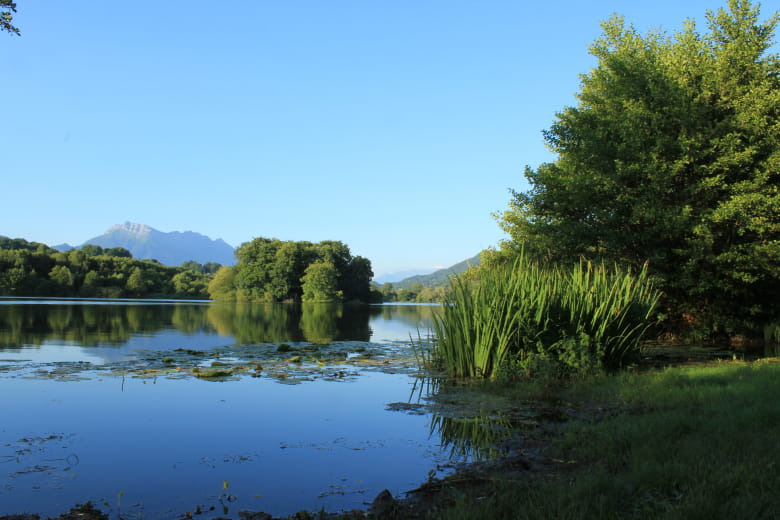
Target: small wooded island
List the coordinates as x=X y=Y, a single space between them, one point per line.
x=271 y=270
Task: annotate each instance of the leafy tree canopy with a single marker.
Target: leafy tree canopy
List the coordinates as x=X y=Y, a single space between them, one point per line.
x=320 y=283
x=7 y=8
x=672 y=157
x=222 y=286
x=95 y=250
x=274 y=270
x=20 y=243
x=31 y=269
x=207 y=268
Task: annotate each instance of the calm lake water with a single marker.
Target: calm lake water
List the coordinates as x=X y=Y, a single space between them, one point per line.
x=154 y=408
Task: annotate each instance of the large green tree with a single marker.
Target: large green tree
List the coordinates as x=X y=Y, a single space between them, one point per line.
x=222 y=286
x=672 y=157
x=320 y=283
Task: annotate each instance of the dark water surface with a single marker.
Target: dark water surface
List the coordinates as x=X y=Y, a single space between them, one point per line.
x=109 y=401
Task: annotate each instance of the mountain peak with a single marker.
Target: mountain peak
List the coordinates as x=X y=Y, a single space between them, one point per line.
x=145 y=242
x=132 y=228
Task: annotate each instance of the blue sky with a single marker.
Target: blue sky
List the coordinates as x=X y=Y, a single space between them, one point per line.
x=396 y=126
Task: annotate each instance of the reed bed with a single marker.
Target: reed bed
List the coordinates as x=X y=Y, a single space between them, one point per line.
x=533 y=317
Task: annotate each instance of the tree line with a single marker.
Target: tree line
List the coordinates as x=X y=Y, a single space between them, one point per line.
x=34 y=269
x=415 y=293
x=268 y=270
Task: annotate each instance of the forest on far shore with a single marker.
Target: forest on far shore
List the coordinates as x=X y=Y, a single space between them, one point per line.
x=269 y=270
x=34 y=269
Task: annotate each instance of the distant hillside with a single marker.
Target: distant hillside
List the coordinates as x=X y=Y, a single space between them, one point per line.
x=401 y=275
x=440 y=277
x=172 y=248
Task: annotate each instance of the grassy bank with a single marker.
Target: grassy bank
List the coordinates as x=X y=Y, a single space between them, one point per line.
x=689 y=442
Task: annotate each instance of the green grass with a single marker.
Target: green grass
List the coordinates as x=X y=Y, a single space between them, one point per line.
x=688 y=443
x=585 y=317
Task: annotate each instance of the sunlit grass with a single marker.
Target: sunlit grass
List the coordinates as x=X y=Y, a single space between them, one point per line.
x=692 y=442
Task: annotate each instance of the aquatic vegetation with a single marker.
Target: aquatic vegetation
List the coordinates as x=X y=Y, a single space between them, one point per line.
x=225 y=497
x=119 y=503
x=212 y=374
x=409 y=408
x=191 y=352
x=533 y=318
x=303 y=361
x=48 y=455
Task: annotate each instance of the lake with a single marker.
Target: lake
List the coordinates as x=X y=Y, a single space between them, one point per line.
x=154 y=408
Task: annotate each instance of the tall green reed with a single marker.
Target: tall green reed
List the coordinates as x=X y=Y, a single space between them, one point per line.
x=523 y=312
x=772 y=339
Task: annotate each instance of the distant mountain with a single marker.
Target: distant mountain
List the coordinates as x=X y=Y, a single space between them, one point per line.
x=440 y=277
x=172 y=248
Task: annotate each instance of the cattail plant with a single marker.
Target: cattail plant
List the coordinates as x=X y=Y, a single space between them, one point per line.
x=510 y=313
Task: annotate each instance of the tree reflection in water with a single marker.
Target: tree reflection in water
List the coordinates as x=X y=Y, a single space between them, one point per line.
x=90 y=323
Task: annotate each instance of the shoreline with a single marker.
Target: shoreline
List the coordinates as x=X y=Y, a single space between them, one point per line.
x=527 y=456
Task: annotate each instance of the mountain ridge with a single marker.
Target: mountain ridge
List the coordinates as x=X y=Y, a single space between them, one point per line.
x=439 y=277
x=169 y=248
x=398 y=276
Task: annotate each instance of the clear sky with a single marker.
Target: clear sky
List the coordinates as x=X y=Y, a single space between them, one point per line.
x=395 y=126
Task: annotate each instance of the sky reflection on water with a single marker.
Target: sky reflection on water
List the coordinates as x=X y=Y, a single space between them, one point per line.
x=168 y=443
